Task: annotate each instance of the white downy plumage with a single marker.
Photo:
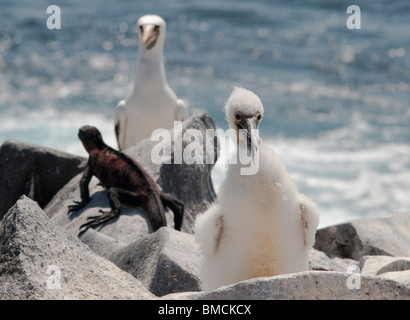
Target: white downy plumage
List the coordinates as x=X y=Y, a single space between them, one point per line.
x=152 y=104
x=261 y=225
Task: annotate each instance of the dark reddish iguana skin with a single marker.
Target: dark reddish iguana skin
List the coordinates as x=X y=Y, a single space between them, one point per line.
x=127 y=182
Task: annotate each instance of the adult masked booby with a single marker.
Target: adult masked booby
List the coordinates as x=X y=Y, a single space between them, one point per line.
x=152 y=104
x=261 y=225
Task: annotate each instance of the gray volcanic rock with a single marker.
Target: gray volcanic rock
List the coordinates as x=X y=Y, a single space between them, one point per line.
x=39 y=260
x=402 y=277
x=165 y=261
x=309 y=285
x=320 y=261
x=395 y=268
x=376 y=265
x=189 y=183
x=35 y=171
x=366 y=236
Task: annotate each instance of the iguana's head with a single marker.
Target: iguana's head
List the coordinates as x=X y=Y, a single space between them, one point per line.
x=91 y=138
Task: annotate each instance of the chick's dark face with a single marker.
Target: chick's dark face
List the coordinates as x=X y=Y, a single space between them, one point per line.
x=90 y=137
x=248 y=123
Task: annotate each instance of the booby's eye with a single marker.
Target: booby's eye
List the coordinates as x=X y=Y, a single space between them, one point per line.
x=259 y=117
x=238 y=117
x=141 y=28
x=156 y=28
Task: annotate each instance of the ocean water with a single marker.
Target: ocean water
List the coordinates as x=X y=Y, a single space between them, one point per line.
x=336 y=100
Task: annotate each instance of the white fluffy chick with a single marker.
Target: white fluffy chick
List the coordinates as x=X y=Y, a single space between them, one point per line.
x=261 y=225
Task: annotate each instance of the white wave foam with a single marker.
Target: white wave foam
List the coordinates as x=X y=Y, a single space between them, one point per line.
x=348 y=183
x=55 y=129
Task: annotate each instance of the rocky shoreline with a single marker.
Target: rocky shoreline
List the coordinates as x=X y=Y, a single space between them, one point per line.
x=41 y=256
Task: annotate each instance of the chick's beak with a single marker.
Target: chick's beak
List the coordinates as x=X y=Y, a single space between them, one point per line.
x=149 y=36
x=250 y=126
x=252 y=141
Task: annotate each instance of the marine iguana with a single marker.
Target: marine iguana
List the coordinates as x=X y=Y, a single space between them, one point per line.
x=127 y=182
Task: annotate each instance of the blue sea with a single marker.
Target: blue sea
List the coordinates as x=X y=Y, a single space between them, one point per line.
x=336 y=99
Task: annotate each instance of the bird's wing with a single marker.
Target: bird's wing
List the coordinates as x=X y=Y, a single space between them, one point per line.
x=209 y=230
x=309 y=216
x=181 y=112
x=120 y=124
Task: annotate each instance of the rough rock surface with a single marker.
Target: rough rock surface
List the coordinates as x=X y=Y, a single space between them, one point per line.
x=367 y=236
x=402 y=277
x=309 y=285
x=376 y=265
x=395 y=268
x=39 y=260
x=190 y=184
x=320 y=261
x=166 y=261
x=35 y=171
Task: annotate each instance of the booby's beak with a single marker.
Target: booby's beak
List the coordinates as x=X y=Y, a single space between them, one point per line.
x=249 y=125
x=150 y=34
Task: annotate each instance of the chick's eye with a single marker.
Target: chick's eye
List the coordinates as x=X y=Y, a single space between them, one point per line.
x=238 y=117
x=141 y=28
x=156 y=28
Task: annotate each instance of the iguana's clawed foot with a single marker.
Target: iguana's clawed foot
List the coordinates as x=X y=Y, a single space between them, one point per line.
x=95 y=221
x=78 y=205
